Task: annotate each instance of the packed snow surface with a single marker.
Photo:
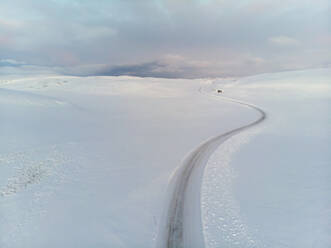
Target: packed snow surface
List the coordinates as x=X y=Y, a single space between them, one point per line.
x=89 y=161
x=270 y=186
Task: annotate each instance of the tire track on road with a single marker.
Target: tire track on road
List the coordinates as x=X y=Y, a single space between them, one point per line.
x=174 y=233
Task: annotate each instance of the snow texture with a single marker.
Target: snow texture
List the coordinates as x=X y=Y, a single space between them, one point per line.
x=87 y=161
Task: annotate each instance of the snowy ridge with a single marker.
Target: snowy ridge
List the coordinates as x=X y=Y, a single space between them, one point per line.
x=16 y=97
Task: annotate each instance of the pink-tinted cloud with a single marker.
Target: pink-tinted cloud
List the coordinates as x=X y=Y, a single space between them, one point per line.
x=200 y=38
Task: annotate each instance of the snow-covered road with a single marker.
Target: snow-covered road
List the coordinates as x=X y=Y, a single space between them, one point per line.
x=175 y=232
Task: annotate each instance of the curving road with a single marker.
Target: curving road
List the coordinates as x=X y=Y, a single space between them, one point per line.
x=174 y=234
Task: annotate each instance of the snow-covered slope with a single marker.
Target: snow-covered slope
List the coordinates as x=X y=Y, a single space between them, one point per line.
x=275 y=191
x=86 y=162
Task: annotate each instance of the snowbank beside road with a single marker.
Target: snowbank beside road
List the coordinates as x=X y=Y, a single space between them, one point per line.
x=275 y=190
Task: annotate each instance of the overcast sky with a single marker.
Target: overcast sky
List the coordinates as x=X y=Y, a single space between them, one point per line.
x=164 y=38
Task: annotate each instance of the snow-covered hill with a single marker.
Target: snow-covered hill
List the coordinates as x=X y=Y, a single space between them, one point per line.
x=87 y=161
x=275 y=191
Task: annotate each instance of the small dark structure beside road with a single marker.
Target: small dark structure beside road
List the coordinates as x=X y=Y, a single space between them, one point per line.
x=219 y=91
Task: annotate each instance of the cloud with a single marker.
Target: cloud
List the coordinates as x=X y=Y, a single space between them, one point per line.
x=176 y=66
x=153 y=69
x=150 y=69
x=27 y=70
x=10 y=63
x=283 y=41
x=165 y=37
